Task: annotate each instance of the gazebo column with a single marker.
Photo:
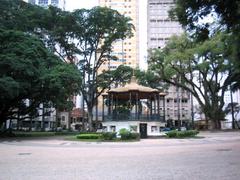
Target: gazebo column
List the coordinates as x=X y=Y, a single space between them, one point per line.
x=155 y=107
x=164 y=109
x=137 y=105
x=112 y=103
x=109 y=105
x=148 y=110
x=151 y=107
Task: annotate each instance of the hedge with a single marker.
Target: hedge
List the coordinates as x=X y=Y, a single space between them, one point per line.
x=89 y=136
x=182 y=134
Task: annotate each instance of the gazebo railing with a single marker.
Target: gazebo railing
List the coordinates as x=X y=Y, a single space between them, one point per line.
x=134 y=117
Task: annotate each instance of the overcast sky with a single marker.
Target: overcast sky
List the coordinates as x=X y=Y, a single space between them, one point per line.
x=77 y=4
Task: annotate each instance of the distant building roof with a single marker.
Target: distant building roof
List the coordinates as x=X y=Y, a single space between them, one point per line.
x=77 y=112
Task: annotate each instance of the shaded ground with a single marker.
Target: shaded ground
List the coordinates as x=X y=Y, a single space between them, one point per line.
x=215 y=156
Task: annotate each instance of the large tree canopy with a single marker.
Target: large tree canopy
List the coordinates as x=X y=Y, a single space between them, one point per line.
x=204 y=69
x=194 y=15
x=31 y=73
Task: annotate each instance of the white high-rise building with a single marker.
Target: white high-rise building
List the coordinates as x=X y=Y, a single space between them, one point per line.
x=159 y=30
x=44 y=3
x=160 y=26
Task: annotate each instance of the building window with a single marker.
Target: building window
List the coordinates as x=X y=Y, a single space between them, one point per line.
x=153 y=128
x=113 y=128
x=133 y=128
x=104 y=128
x=43 y=2
x=54 y=2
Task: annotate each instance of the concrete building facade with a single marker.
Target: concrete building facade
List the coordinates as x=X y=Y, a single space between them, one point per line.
x=159 y=30
x=44 y=3
x=160 y=26
x=126 y=50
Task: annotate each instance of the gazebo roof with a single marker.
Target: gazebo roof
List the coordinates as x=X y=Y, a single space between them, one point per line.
x=133 y=86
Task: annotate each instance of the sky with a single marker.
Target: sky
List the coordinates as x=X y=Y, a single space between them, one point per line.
x=78 y=4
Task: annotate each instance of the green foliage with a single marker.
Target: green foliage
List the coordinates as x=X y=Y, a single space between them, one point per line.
x=182 y=134
x=89 y=136
x=29 y=71
x=204 y=69
x=127 y=135
x=189 y=12
x=192 y=15
x=135 y=136
x=108 y=135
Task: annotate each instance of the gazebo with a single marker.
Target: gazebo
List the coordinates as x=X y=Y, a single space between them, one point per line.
x=134 y=107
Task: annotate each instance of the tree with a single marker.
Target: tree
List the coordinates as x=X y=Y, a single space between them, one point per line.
x=30 y=75
x=189 y=12
x=95 y=32
x=204 y=69
x=226 y=16
x=233 y=109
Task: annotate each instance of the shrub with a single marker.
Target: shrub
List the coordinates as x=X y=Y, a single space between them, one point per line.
x=181 y=134
x=135 y=136
x=89 y=136
x=109 y=135
x=127 y=135
x=172 y=134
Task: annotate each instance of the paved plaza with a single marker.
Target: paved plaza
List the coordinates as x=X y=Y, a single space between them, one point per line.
x=216 y=156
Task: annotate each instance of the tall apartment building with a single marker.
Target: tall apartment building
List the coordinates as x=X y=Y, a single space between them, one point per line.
x=126 y=50
x=44 y=3
x=159 y=29
x=160 y=26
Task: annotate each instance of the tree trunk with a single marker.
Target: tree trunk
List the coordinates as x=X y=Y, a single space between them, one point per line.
x=43 y=118
x=90 y=119
x=216 y=124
